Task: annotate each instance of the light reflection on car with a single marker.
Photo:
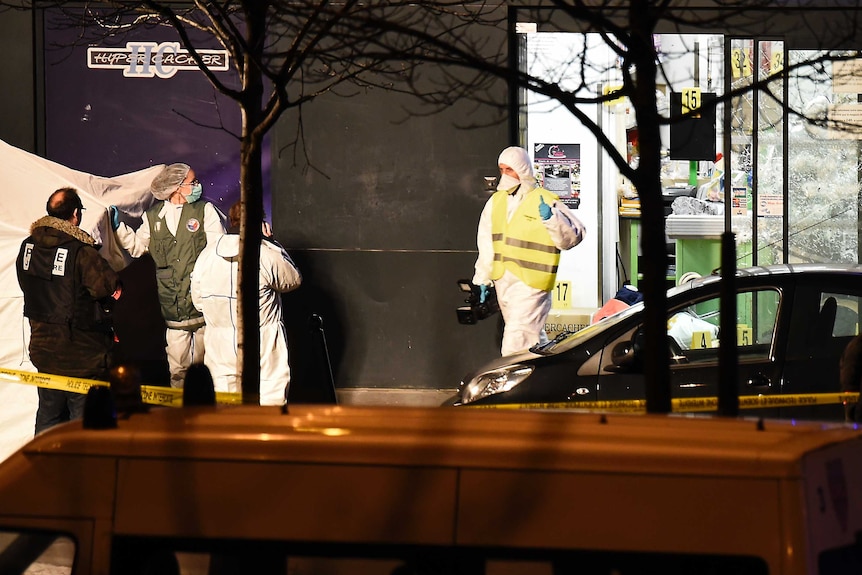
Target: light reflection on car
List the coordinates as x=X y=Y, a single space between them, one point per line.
x=793 y=323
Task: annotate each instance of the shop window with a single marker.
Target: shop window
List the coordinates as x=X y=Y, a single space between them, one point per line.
x=695 y=329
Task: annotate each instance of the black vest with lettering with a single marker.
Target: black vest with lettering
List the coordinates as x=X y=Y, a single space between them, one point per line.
x=52 y=293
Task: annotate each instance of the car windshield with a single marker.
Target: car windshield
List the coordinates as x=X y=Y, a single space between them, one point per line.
x=568 y=339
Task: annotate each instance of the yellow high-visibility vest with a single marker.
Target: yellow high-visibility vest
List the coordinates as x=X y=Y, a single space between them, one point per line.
x=523 y=245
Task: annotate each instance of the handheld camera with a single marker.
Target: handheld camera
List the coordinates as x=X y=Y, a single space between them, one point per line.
x=475 y=311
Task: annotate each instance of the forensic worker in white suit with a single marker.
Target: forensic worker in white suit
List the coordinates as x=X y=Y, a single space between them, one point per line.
x=214 y=292
x=174 y=231
x=521 y=232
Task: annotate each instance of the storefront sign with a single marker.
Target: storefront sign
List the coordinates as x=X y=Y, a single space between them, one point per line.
x=151 y=59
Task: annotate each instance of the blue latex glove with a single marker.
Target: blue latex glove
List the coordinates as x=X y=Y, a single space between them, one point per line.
x=115 y=217
x=483 y=293
x=544 y=209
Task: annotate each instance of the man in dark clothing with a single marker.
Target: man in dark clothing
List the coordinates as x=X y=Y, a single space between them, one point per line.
x=850 y=373
x=69 y=290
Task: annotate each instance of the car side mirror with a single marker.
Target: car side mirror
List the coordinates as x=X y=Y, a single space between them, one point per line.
x=624 y=358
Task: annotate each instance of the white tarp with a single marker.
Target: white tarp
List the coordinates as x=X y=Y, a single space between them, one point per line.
x=26 y=181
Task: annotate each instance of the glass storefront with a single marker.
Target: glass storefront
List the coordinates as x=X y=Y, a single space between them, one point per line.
x=785 y=174
x=823 y=165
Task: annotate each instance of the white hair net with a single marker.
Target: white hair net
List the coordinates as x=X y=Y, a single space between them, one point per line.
x=519 y=160
x=168 y=180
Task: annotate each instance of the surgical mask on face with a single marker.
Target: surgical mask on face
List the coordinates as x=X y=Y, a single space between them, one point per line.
x=195 y=194
x=508 y=182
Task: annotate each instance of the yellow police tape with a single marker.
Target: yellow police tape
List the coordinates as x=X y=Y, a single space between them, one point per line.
x=152 y=394
x=173 y=397
x=693 y=404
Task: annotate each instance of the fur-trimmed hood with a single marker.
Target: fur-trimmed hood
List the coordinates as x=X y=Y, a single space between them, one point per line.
x=44 y=230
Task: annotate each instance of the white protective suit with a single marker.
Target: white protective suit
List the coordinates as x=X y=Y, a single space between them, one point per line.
x=182 y=347
x=525 y=309
x=214 y=291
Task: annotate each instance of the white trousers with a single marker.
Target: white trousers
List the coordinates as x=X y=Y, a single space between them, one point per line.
x=274 y=368
x=183 y=348
x=525 y=310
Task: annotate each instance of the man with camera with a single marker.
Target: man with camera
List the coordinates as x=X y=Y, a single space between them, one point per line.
x=521 y=232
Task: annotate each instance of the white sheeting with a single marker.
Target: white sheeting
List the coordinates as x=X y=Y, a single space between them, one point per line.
x=26 y=181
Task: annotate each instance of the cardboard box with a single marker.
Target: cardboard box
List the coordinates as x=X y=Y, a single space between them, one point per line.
x=567 y=319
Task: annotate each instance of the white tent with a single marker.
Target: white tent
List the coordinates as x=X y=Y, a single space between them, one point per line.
x=26 y=181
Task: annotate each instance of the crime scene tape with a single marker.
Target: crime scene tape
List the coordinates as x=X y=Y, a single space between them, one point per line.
x=151 y=394
x=692 y=404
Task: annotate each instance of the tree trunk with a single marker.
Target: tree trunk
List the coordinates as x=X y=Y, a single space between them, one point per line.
x=251 y=196
x=248 y=308
x=648 y=183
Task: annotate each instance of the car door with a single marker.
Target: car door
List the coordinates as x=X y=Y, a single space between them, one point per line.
x=825 y=319
x=619 y=377
x=693 y=339
x=695 y=331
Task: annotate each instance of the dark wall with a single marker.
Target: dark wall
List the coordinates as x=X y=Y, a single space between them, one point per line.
x=382 y=228
x=17 y=97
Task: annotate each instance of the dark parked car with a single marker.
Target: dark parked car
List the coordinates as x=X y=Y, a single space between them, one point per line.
x=793 y=323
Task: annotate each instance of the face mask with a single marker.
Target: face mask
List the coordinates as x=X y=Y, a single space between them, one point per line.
x=195 y=194
x=508 y=182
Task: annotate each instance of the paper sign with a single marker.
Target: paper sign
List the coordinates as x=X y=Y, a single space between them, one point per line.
x=701 y=340
x=562 y=295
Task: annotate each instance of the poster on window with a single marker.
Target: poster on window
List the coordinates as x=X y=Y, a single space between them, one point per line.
x=558 y=170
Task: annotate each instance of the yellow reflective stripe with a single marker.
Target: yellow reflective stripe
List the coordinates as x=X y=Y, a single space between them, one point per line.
x=529 y=250
x=150 y=394
x=527 y=245
x=692 y=404
x=548 y=269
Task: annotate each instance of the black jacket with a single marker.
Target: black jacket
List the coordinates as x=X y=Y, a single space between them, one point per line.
x=67 y=289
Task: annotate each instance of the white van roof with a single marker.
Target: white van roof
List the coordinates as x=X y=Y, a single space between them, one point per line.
x=474 y=438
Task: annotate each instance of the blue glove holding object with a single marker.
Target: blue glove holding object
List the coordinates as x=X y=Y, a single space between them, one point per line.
x=544 y=209
x=483 y=293
x=115 y=217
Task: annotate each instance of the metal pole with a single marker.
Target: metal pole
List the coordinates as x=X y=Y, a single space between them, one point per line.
x=728 y=395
